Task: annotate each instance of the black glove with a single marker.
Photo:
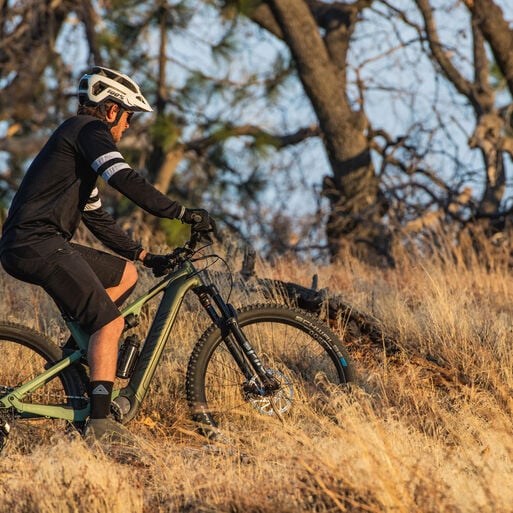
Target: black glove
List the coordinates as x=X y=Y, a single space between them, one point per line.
x=157 y=263
x=200 y=220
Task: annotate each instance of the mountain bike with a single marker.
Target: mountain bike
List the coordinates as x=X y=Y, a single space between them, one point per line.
x=257 y=360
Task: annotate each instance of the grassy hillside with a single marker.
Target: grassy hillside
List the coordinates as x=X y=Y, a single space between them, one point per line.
x=428 y=427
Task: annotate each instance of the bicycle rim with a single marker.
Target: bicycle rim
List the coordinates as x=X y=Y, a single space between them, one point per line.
x=301 y=353
x=25 y=354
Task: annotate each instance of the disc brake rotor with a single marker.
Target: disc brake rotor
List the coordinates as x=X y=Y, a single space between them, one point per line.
x=274 y=403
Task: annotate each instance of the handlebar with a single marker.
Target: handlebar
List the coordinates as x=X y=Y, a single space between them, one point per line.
x=180 y=254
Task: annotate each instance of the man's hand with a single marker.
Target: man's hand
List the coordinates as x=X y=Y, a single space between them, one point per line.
x=200 y=220
x=157 y=263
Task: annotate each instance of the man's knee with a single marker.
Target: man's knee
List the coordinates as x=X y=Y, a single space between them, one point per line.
x=129 y=278
x=120 y=293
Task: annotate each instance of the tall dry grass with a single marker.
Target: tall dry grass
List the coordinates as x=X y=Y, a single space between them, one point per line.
x=428 y=427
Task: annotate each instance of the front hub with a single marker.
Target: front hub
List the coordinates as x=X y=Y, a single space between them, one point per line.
x=274 y=399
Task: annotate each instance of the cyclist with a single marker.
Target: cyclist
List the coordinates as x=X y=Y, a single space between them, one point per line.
x=57 y=192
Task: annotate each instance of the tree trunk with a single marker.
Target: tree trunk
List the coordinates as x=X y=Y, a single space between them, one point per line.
x=28 y=36
x=353 y=188
x=489 y=134
x=168 y=168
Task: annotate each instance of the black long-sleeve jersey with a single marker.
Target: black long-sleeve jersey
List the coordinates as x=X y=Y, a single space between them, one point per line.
x=59 y=190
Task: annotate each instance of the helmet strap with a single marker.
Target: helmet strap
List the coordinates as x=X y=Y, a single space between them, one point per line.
x=118 y=117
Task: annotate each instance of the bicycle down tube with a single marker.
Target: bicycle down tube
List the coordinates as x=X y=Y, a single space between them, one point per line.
x=175 y=287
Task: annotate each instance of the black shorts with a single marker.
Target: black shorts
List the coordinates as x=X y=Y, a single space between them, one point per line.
x=74 y=276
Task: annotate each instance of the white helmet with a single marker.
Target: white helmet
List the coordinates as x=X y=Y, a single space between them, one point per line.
x=103 y=84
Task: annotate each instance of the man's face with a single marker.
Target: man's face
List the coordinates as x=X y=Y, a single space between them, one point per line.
x=122 y=125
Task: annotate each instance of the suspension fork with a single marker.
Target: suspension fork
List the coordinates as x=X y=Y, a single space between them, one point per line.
x=225 y=317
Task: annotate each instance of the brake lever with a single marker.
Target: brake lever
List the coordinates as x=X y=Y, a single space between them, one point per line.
x=194 y=240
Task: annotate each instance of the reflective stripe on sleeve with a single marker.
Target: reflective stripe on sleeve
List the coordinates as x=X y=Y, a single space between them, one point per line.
x=102 y=159
x=112 y=170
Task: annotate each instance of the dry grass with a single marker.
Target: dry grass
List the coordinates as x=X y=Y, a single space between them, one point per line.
x=427 y=429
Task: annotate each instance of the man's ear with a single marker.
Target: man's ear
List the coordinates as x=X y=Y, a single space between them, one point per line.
x=112 y=111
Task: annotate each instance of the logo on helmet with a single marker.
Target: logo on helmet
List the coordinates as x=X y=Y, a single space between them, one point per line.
x=116 y=94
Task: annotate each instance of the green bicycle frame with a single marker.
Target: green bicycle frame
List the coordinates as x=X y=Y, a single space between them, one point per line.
x=174 y=287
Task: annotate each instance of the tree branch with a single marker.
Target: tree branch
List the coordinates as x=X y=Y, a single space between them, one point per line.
x=497 y=32
x=277 y=141
x=448 y=69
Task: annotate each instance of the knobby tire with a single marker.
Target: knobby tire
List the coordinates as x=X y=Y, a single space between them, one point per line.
x=25 y=354
x=300 y=350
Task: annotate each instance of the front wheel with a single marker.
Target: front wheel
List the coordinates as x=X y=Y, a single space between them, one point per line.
x=301 y=355
x=25 y=353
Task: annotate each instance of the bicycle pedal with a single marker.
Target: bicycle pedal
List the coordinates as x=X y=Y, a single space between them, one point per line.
x=115 y=411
